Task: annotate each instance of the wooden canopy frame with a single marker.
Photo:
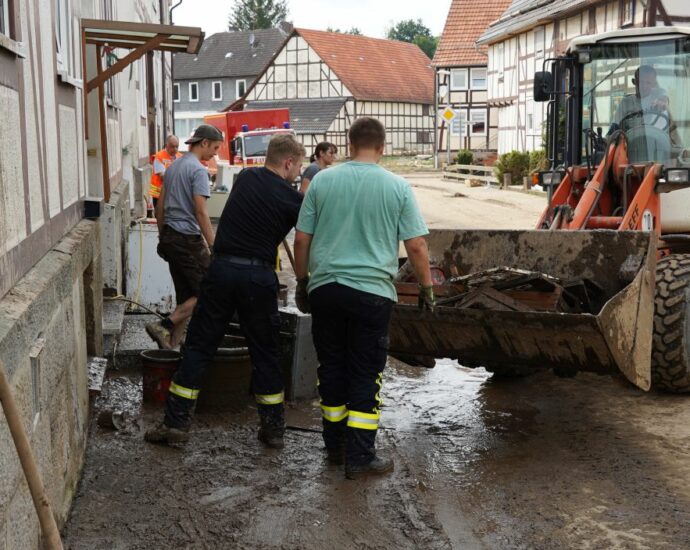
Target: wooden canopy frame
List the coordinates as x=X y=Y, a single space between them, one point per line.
x=140 y=38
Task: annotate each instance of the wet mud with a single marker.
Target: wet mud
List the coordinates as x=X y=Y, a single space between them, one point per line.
x=536 y=462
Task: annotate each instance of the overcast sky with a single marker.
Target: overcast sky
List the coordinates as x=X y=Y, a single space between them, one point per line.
x=372 y=17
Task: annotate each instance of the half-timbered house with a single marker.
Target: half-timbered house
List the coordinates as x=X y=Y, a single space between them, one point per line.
x=329 y=79
x=531 y=31
x=461 y=80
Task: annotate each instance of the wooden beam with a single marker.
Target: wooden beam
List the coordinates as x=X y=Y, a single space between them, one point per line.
x=105 y=168
x=662 y=11
x=111 y=71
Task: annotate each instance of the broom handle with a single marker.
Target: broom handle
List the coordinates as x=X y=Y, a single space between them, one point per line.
x=289 y=253
x=51 y=535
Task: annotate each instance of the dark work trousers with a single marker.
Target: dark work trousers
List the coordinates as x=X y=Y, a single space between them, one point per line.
x=252 y=292
x=350 y=330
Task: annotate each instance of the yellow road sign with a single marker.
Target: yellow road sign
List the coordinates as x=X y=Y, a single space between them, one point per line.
x=448 y=114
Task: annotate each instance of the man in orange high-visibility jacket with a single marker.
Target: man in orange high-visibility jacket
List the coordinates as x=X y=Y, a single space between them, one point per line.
x=161 y=160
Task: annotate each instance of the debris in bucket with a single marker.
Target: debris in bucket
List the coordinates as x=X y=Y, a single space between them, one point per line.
x=510 y=289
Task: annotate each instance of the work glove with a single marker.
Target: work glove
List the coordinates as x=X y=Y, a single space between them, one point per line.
x=426 y=300
x=301 y=295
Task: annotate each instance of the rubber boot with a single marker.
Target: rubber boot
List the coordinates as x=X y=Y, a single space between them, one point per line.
x=176 y=423
x=334 y=439
x=377 y=466
x=272 y=425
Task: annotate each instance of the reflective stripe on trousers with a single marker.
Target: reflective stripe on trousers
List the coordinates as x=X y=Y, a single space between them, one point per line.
x=272 y=399
x=187 y=393
x=363 y=421
x=334 y=414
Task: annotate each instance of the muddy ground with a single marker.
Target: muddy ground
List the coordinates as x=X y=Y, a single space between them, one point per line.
x=537 y=462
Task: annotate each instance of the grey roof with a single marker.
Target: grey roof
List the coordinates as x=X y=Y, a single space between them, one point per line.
x=230 y=54
x=523 y=15
x=307 y=116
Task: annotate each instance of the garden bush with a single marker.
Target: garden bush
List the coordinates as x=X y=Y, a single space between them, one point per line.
x=517 y=163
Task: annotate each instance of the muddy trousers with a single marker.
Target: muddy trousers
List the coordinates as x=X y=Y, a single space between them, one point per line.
x=350 y=330
x=251 y=291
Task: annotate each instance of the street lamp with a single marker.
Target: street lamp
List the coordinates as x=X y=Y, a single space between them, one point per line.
x=445 y=74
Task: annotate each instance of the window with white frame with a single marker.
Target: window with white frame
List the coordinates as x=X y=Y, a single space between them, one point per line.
x=193 y=91
x=477 y=123
x=627 y=12
x=458 y=79
x=539 y=42
x=499 y=60
x=63 y=38
x=458 y=126
x=5 y=17
x=176 y=93
x=478 y=79
x=217 y=90
x=240 y=88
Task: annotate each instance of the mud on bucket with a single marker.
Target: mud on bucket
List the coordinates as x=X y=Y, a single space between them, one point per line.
x=157 y=368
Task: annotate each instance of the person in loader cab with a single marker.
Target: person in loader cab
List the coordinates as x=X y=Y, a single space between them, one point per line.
x=261 y=209
x=346 y=255
x=648 y=101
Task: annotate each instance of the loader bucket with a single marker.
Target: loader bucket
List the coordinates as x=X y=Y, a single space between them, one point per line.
x=616 y=337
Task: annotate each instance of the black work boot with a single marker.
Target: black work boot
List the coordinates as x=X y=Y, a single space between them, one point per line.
x=272 y=425
x=379 y=465
x=175 y=425
x=334 y=439
x=336 y=455
x=166 y=434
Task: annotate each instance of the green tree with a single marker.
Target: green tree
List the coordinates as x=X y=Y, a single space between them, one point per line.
x=247 y=15
x=408 y=30
x=427 y=44
x=353 y=30
x=414 y=32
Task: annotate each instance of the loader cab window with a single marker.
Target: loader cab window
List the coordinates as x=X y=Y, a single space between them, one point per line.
x=640 y=89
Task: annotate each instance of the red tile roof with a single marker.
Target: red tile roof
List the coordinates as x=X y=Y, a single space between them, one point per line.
x=373 y=68
x=467 y=20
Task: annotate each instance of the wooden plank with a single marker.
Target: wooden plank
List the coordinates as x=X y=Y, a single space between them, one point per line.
x=536 y=300
x=489 y=298
x=477 y=168
x=465 y=177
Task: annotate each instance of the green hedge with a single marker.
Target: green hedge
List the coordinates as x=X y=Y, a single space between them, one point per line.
x=519 y=164
x=464 y=156
x=516 y=163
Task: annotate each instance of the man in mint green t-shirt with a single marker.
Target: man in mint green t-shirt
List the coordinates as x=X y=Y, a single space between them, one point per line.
x=346 y=255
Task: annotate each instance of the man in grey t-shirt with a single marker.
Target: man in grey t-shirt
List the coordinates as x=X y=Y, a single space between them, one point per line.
x=185 y=230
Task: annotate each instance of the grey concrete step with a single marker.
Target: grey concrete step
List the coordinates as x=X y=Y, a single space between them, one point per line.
x=113 y=316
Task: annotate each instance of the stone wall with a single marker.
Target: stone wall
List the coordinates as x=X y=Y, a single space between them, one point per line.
x=115 y=223
x=50 y=321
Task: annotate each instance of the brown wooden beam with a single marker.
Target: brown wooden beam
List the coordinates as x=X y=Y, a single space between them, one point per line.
x=99 y=37
x=662 y=11
x=105 y=168
x=111 y=71
x=181 y=48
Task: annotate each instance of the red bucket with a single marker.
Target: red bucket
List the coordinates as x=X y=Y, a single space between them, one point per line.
x=157 y=368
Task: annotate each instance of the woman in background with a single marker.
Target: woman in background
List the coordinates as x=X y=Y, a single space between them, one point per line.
x=324 y=155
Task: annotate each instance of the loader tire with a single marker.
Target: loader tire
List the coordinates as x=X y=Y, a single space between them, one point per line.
x=671 y=344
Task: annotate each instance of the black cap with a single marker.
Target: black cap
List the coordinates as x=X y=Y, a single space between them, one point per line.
x=205 y=131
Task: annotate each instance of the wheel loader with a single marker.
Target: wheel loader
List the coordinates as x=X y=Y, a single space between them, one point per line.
x=603 y=282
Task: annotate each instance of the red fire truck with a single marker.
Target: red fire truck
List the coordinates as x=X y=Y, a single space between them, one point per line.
x=247 y=134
